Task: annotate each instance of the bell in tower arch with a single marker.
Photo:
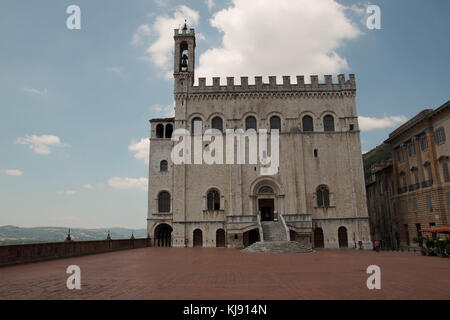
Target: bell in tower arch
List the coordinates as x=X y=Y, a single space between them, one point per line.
x=184 y=62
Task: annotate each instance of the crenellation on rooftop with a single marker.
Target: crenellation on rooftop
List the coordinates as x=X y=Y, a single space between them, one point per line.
x=342 y=84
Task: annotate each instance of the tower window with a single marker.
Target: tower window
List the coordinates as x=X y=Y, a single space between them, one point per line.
x=328 y=123
x=275 y=123
x=213 y=199
x=197 y=126
x=184 y=54
x=316 y=153
x=169 y=130
x=164 y=201
x=323 y=196
x=307 y=123
x=163 y=166
x=217 y=123
x=160 y=131
x=250 y=123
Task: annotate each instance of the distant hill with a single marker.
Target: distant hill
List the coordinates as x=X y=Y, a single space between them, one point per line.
x=380 y=154
x=17 y=235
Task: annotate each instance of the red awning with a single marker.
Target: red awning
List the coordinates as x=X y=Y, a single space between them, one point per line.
x=443 y=229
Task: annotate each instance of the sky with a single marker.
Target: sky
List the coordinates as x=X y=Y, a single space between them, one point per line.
x=75 y=103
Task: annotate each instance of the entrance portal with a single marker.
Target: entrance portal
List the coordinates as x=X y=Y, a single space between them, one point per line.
x=266 y=207
x=163 y=235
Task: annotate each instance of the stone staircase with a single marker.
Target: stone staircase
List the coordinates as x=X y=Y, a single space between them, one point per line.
x=275 y=240
x=278 y=246
x=273 y=231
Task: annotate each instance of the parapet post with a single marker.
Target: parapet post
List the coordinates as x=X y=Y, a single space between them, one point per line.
x=272 y=82
x=328 y=81
x=314 y=81
x=244 y=83
x=230 y=83
x=352 y=81
x=258 y=82
x=216 y=82
x=287 y=82
x=301 y=81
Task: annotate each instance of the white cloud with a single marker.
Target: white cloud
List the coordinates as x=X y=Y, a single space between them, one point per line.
x=88 y=186
x=209 y=4
x=141 y=34
x=165 y=111
x=41 y=144
x=141 y=149
x=67 y=192
x=128 y=183
x=283 y=37
x=35 y=91
x=160 y=51
x=371 y=123
x=13 y=172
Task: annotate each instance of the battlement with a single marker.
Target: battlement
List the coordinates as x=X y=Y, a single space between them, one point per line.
x=272 y=86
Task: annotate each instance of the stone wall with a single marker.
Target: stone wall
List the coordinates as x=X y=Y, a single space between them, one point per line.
x=33 y=252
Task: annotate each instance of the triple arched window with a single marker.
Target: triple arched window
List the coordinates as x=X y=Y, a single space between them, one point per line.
x=217 y=123
x=275 y=123
x=164 y=201
x=250 y=123
x=213 y=199
x=323 y=196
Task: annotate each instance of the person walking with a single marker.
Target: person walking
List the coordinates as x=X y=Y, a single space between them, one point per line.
x=377 y=245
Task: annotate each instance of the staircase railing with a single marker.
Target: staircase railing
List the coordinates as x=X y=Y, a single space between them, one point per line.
x=286 y=228
x=260 y=229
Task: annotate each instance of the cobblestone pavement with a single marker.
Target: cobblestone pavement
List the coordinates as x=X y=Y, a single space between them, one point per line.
x=201 y=273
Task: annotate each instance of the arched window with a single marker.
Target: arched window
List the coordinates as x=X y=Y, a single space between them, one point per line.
x=323 y=196
x=160 y=131
x=184 y=56
x=169 y=130
x=163 y=165
x=328 y=123
x=217 y=123
x=164 y=201
x=197 y=126
x=213 y=199
x=250 y=123
x=307 y=123
x=275 y=123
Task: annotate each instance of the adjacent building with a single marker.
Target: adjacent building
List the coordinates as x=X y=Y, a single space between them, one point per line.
x=421 y=178
x=383 y=217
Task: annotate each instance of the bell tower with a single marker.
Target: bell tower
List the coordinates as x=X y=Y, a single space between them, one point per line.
x=184 y=58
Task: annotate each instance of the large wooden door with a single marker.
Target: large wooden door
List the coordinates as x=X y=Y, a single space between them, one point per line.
x=198 y=238
x=342 y=237
x=220 y=238
x=318 y=238
x=266 y=207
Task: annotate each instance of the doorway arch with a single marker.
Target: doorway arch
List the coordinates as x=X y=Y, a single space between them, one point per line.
x=318 y=238
x=198 y=238
x=220 y=238
x=342 y=237
x=163 y=235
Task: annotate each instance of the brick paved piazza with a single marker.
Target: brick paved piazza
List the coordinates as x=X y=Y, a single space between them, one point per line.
x=200 y=273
